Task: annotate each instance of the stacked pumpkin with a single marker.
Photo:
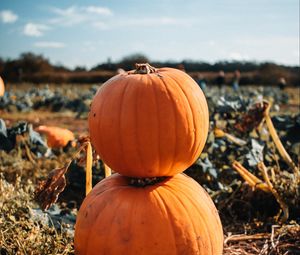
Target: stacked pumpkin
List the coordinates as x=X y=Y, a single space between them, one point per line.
x=148 y=125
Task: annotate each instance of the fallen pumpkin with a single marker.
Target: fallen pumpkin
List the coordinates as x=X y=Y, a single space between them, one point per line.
x=57 y=137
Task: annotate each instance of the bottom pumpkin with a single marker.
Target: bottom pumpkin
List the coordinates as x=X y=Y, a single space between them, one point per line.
x=175 y=216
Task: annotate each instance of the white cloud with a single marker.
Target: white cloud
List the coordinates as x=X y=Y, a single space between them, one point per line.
x=8 y=16
x=99 y=10
x=68 y=17
x=45 y=44
x=98 y=17
x=267 y=41
x=33 y=29
x=238 y=56
x=74 y=15
x=296 y=53
x=88 y=46
x=277 y=48
x=157 y=21
x=100 y=25
x=212 y=43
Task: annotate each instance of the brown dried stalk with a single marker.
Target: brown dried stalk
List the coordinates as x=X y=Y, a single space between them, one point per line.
x=251 y=179
x=266 y=186
x=283 y=153
x=244 y=237
x=88 y=170
x=282 y=240
x=107 y=170
x=21 y=140
x=220 y=133
x=283 y=205
x=93 y=155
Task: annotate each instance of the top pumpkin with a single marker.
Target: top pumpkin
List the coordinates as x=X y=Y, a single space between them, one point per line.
x=149 y=122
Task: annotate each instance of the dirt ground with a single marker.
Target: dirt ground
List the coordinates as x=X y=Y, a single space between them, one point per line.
x=21 y=234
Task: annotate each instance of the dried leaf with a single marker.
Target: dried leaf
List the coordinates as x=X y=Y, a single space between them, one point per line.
x=83 y=139
x=253 y=117
x=48 y=190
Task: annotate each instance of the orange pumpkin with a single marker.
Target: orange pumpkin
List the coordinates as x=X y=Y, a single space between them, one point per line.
x=2 y=87
x=56 y=137
x=149 y=122
x=175 y=216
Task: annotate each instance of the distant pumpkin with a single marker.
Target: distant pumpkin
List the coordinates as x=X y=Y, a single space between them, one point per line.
x=2 y=87
x=149 y=122
x=175 y=216
x=56 y=137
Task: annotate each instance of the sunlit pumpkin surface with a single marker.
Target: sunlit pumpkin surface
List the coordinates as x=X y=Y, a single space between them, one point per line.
x=148 y=125
x=57 y=137
x=2 y=87
x=175 y=216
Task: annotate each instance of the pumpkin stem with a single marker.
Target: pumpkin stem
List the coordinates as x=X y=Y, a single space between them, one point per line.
x=144 y=68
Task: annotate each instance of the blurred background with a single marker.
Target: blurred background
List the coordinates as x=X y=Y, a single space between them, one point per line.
x=86 y=42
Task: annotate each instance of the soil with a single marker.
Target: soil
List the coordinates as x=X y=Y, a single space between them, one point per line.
x=251 y=218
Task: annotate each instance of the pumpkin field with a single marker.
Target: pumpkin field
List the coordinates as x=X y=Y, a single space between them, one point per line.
x=242 y=146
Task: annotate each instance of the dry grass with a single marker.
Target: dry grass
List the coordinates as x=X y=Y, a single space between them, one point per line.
x=19 y=232
x=282 y=240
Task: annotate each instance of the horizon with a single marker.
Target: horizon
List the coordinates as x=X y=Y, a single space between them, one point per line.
x=91 y=33
x=150 y=61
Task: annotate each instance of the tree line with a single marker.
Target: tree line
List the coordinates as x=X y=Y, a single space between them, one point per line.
x=30 y=67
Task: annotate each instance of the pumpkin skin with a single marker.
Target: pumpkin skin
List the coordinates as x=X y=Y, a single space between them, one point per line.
x=149 y=125
x=175 y=216
x=56 y=137
x=2 y=87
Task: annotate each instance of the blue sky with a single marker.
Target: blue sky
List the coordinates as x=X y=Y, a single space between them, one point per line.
x=85 y=33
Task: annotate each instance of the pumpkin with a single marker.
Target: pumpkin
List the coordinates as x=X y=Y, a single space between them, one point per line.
x=149 y=122
x=57 y=137
x=2 y=87
x=175 y=216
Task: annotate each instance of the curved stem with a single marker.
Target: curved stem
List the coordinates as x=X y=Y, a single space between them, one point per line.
x=107 y=170
x=144 y=68
x=250 y=178
x=261 y=166
x=283 y=153
x=89 y=165
x=219 y=133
